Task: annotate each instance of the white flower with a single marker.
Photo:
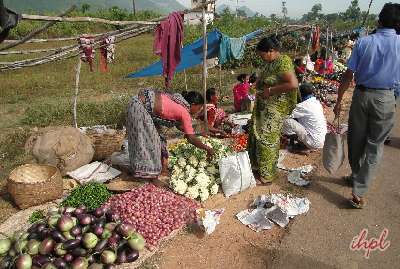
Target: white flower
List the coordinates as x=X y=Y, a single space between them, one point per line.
x=193 y=161
x=212 y=170
x=182 y=162
x=202 y=180
x=214 y=189
x=188 y=168
x=202 y=164
x=192 y=192
x=180 y=186
x=204 y=194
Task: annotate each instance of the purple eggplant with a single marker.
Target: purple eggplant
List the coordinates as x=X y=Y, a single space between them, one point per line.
x=111 y=216
x=58 y=237
x=113 y=241
x=100 y=222
x=78 y=237
x=97 y=230
x=131 y=255
x=65 y=224
x=68 y=258
x=40 y=260
x=59 y=249
x=91 y=259
x=71 y=244
x=47 y=246
x=33 y=228
x=110 y=226
x=99 y=212
x=49 y=266
x=121 y=256
x=40 y=227
x=45 y=233
x=79 y=252
x=125 y=229
x=84 y=219
x=35 y=236
x=76 y=230
x=108 y=257
x=23 y=262
x=79 y=211
x=60 y=263
x=101 y=245
x=79 y=263
x=109 y=266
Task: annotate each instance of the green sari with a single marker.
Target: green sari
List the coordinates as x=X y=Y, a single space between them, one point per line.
x=267 y=119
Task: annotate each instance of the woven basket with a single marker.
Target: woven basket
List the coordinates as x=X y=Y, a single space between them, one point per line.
x=106 y=143
x=33 y=184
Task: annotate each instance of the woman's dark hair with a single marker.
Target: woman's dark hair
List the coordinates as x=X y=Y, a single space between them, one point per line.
x=253 y=78
x=210 y=93
x=306 y=89
x=193 y=98
x=268 y=43
x=298 y=62
x=390 y=16
x=242 y=77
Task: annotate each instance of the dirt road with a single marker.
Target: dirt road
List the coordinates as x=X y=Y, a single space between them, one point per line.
x=321 y=239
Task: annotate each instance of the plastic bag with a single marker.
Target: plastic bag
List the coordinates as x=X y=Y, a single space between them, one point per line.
x=333 y=153
x=236 y=174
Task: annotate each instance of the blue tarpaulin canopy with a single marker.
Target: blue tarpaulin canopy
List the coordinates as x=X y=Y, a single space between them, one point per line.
x=191 y=54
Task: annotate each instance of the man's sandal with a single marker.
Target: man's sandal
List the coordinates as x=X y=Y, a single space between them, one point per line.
x=357 y=202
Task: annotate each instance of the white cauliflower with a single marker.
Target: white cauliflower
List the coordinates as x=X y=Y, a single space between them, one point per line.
x=202 y=180
x=193 y=161
x=202 y=164
x=192 y=192
x=214 y=189
x=180 y=187
x=182 y=162
x=204 y=194
x=212 y=170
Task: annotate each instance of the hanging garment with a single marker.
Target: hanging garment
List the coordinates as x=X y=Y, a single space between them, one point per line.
x=8 y=20
x=107 y=53
x=315 y=38
x=231 y=48
x=168 y=43
x=87 y=51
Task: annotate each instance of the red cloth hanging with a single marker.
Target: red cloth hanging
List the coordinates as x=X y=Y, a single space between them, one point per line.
x=168 y=43
x=87 y=51
x=316 y=34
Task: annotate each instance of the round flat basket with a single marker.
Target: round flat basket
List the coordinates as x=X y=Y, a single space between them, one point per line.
x=106 y=143
x=33 y=184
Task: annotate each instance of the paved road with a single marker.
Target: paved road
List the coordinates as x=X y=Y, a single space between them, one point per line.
x=321 y=239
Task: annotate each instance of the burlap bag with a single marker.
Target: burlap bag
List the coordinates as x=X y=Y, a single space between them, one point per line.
x=64 y=147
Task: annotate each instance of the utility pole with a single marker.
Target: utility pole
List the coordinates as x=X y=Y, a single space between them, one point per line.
x=284 y=10
x=134 y=7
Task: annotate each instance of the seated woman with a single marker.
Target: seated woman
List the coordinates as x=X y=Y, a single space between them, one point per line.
x=149 y=110
x=241 y=91
x=307 y=122
x=216 y=117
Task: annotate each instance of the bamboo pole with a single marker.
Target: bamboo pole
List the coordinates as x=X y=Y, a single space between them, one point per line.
x=37 y=31
x=77 y=76
x=186 y=85
x=205 y=67
x=83 y=19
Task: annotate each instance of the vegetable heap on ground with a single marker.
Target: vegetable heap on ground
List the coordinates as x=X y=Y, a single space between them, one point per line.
x=192 y=174
x=91 y=195
x=239 y=142
x=72 y=238
x=153 y=211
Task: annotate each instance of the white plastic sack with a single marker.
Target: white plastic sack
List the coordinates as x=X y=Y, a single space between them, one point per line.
x=333 y=153
x=236 y=174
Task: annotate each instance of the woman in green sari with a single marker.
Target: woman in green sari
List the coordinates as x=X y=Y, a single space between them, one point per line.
x=276 y=97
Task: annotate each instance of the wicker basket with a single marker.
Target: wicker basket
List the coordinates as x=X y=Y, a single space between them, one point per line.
x=33 y=184
x=106 y=143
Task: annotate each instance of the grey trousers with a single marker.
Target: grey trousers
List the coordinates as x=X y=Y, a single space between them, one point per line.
x=371 y=119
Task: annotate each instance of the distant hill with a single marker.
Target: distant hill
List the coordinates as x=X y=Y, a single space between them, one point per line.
x=248 y=11
x=38 y=6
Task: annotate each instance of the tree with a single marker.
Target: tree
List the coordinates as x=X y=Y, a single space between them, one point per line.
x=85 y=7
x=241 y=13
x=353 y=12
x=314 y=14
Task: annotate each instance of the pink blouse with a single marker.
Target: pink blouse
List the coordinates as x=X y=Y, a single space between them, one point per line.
x=240 y=92
x=176 y=112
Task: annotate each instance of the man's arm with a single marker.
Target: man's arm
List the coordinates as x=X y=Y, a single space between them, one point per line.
x=344 y=85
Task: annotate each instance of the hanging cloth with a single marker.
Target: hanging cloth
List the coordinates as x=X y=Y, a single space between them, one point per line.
x=168 y=43
x=315 y=39
x=231 y=48
x=86 y=44
x=107 y=53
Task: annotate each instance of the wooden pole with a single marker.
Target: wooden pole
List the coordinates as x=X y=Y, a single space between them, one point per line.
x=134 y=7
x=220 y=77
x=205 y=67
x=77 y=76
x=186 y=85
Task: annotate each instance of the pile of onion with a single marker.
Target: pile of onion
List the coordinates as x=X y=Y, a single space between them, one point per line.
x=154 y=212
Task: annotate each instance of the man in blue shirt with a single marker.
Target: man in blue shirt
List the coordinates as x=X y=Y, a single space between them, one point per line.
x=375 y=66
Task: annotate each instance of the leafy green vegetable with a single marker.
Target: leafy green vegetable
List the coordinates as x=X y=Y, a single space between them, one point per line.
x=36 y=216
x=91 y=195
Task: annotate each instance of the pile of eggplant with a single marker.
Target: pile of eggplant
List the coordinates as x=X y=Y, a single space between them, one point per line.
x=72 y=238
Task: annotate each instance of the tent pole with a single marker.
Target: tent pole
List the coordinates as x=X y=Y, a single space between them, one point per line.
x=205 y=68
x=77 y=76
x=220 y=77
x=186 y=85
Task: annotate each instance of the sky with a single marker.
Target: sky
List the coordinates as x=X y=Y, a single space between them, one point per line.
x=296 y=8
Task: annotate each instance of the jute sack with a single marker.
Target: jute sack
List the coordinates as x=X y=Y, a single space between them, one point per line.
x=64 y=147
